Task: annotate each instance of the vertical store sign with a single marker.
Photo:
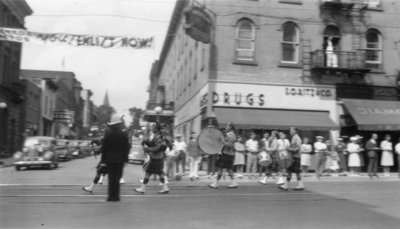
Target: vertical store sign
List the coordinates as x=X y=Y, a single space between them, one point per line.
x=198 y=24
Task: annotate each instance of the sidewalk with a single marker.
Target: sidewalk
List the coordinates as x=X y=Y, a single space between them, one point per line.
x=204 y=179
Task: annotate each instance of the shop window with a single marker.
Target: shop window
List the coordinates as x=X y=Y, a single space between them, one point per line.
x=374 y=49
x=245 y=41
x=290 y=43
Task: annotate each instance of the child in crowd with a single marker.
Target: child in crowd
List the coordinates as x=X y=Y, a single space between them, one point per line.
x=240 y=151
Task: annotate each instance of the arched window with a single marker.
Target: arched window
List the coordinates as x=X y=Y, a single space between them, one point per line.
x=245 y=40
x=374 y=49
x=290 y=43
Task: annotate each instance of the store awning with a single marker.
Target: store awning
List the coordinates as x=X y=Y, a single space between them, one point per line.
x=374 y=114
x=275 y=119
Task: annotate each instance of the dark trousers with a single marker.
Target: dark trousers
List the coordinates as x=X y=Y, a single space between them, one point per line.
x=181 y=158
x=100 y=170
x=372 y=166
x=114 y=175
x=211 y=160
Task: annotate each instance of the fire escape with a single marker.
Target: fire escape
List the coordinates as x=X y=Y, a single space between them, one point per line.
x=334 y=62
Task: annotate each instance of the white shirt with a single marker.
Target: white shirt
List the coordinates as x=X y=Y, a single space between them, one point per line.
x=386 y=145
x=252 y=145
x=353 y=147
x=320 y=146
x=179 y=146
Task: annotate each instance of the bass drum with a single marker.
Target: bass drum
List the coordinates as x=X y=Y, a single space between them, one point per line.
x=264 y=159
x=210 y=140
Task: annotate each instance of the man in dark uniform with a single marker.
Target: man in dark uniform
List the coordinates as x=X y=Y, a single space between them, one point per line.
x=115 y=150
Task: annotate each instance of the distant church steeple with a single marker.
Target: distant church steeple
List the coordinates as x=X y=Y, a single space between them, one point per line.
x=106 y=102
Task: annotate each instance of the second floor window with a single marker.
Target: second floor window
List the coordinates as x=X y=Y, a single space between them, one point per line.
x=374 y=49
x=245 y=40
x=290 y=43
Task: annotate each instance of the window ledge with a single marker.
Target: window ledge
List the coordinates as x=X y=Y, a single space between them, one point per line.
x=246 y=62
x=296 y=2
x=289 y=65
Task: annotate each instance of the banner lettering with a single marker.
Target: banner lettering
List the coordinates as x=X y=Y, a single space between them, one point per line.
x=20 y=35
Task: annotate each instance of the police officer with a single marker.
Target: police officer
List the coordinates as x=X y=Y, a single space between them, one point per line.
x=115 y=150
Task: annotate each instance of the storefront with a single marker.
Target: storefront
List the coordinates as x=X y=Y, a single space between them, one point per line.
x=260 y=107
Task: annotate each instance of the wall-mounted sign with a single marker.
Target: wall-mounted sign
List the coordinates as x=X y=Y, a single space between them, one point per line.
x=311 y=92
x=198 y=24
x=235 y=99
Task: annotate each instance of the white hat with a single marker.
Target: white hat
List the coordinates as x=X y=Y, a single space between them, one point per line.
x=115 y=119
x=354 y=138
x=319 y=137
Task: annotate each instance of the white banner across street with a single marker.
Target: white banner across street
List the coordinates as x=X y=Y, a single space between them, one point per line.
x=22 y=36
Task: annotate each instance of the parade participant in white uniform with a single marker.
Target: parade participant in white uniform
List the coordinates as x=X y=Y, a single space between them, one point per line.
x=227 y=157
x=283 y=145
x=320 y=149
x=387 y=155
x=354 y=158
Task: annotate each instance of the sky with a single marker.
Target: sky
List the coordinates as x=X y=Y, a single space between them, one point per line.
x=123 y=72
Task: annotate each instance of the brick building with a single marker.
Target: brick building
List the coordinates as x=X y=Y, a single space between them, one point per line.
x=64 y=101
x=329 y=67
x=12 y=14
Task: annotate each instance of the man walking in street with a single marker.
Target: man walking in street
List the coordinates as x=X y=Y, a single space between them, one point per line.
x=115 y=150
x=180 y=151
x=294 y=151
x=372 y=148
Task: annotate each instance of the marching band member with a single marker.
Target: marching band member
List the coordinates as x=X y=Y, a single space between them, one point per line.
x=294 y=151
x=156 y=148
x=227 y=157
x=282 y=149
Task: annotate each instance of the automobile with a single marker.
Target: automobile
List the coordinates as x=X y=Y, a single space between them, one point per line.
x=75 y=149
x=136 y=153
x=86 y=148
x=63 y=150
x=38 y=151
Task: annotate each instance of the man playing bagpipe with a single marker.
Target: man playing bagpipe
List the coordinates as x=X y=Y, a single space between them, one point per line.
x=155 y=148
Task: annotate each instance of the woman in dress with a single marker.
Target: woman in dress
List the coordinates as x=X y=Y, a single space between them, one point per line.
x=240 y=151
x=387 y=155
x=354 y=158
x=305 y=155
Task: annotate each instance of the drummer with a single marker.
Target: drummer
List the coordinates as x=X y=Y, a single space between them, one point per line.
x=226 y=158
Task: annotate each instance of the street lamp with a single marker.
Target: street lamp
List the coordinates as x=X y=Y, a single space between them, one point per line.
x=158 y=111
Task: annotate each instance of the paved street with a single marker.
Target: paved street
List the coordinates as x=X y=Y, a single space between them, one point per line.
x=54 y=199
